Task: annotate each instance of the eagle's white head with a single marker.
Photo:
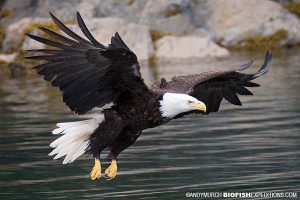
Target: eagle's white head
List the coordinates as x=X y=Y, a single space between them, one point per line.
x=173 y=104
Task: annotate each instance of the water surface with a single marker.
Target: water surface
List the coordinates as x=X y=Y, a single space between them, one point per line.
x=251 y=148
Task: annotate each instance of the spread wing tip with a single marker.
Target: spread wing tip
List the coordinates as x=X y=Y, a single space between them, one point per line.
x=117 y=42
x=245 y=66
x=265 y=67
x=86 y=32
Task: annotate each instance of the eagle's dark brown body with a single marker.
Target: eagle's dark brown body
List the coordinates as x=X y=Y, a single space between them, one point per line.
x=90 y=74
x=128 y=122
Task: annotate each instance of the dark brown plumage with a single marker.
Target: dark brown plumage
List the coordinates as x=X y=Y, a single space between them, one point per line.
x=90 y=74
x=212 y=87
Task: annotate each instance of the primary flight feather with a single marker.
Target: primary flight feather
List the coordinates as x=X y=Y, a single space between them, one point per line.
x=90 y=74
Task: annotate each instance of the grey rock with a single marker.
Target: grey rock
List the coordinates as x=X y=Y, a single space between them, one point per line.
x=168 y=16
x=194 y=47
x=15 y=32
x=17 y=5
x=137 y=37
x=232 y=21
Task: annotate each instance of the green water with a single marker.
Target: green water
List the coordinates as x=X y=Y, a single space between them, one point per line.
x=252 y=148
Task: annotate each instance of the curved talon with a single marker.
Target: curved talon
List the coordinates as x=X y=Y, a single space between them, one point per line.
x=96 y=171
x=111 y=171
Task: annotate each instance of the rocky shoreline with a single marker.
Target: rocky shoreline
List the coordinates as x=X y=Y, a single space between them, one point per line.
x=160 y=30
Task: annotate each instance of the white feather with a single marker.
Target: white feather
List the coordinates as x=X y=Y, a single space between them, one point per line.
x=75 y=139
x=67 y=125
x=173 y=104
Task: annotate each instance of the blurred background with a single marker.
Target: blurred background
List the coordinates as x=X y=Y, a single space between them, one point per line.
x=239 y=149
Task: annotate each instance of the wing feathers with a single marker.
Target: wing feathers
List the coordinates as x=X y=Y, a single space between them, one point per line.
x=231 y=97
x=251 y=84
x=46 y=41
x=45 y=51
x=87 y=33
x=58 y=36
x=117 y=42
x=87 y=73
x=65 y=29
x=229 y=84
x=57 y=58
x=245 y=66
x=212 y=87
x=241 y=90
x=265 y=67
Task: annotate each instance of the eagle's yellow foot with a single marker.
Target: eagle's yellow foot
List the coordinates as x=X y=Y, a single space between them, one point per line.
x=96 y=171
x=111 y=171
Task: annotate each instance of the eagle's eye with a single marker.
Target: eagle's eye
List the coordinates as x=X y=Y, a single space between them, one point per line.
x=189 y=102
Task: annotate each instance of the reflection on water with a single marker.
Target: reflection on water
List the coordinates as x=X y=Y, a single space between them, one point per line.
x=253 y=148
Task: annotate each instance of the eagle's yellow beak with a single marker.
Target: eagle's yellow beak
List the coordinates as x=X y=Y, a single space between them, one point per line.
x=199 y=106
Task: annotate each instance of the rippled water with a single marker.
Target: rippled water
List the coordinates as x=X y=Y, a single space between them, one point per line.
x=253 y=148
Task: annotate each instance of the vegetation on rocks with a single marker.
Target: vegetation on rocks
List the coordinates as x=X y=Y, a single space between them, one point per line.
x=34 y=26
x=186 y=19
x=50 y=25
x=21 y=52
x=173 y=10
x=259 y=42
x=2 y=31
x=129 y=2
x=156 y=35
x=5 y=13
x=293 y=8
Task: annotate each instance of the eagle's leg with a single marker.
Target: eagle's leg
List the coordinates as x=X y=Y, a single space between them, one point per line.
x=103 y=137
x=111 y=171
x=96 y=171
x=123 y=141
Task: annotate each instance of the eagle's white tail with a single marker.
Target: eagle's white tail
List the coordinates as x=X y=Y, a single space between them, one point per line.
x=75 y=139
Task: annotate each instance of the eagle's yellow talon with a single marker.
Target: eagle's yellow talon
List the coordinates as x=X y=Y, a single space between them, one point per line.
x=96 y=171
x=111 y=171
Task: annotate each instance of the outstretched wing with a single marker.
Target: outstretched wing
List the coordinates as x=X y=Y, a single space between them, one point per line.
x=212 y=87
x=87 y=73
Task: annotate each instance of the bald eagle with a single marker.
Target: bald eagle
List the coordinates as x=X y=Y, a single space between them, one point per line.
x=90 y=74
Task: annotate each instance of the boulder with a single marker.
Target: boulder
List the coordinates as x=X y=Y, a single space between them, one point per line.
x=192 y=47
x=15 y=32
x=137 y=37
x=16 y=5
x=231 y=22
x=164 y=15
x=66 y=9
x=130 y=10
x=168 y=16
